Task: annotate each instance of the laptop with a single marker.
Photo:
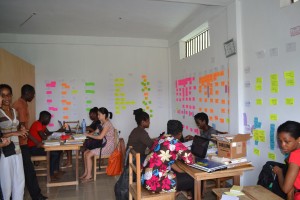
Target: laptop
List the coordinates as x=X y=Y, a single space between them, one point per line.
x=200 y=146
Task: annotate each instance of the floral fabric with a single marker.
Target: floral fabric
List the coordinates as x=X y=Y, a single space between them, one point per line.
x=157 y=174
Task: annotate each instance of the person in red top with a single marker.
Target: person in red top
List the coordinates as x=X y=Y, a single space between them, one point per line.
x=288 y=135
x=39 y=132
x=21 y=106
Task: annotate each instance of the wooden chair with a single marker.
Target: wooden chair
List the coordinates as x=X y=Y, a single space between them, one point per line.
x=214 y=183
x=135 y=189
x=40 y=168
x=102 y=165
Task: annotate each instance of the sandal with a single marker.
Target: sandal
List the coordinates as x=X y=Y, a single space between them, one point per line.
x=189 y=195
x=87 y=180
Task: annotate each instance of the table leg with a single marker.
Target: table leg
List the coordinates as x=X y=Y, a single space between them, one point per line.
x=48 y=170
x=236 y=180
x=197 y=190
x=77 y=173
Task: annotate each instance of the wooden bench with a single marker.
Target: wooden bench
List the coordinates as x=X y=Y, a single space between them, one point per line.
x=40 y=168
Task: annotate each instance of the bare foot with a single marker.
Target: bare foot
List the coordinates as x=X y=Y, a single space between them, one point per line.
x=83 y=176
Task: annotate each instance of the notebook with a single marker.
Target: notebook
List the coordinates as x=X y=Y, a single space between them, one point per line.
x=207 y=165
x=199 y=146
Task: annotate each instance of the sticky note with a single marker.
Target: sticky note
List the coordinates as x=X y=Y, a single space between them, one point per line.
x=256 y=151
x=49 y=100
x=88 y=101
x=273 y=101
x=65 y=108
x=259 y=102
x=89 y=84
x=273 y=117
x=90 y=91
x=290 y=82
x=274 y=77
x=258 y=87
x=274 y=89
x=65 y=117
x=48 y=92
x=289 y=75
x=289 y=101
x=74 y=92
x=227 y=120
x=88 y=109
x=272 y=156
x=259 y=80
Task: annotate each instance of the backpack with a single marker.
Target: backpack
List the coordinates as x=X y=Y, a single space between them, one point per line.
x=268 y=180
x=122 y=185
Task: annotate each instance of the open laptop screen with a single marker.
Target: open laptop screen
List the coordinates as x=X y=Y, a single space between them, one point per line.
x=200 y=146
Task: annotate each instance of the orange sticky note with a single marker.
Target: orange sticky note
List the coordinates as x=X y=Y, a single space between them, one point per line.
x=146 y=94
x=223 y=83
x=216 y=100
x=217 y=92
x=222 y=120
x=223 y=110
x=200 y=109
x=211 y=118
x=69 y=103
x=211 y=100
x=65 y=117
x=64 y=101
x=223 y=101
x=205 y=100
x=205 y=109
x=64 y=92
x=216 y=117
x=221 y=73
x=65 y=108
x=211 y=110
x=200 y=99
x=216 y=83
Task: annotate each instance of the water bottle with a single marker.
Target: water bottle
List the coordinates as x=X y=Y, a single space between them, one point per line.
x=83 y=126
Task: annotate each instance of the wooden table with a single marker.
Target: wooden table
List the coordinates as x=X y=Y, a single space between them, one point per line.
x=251 y=193
x=64 y=147
x=199 y=175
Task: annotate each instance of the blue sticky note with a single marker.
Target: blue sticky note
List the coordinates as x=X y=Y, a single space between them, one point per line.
x=256 y=142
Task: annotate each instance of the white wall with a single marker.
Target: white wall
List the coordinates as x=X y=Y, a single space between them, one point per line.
x=266 y=26
x=76 y=60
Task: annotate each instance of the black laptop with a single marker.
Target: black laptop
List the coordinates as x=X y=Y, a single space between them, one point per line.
x=200 y=146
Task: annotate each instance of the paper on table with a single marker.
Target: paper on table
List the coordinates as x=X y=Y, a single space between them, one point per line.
x=228 y=197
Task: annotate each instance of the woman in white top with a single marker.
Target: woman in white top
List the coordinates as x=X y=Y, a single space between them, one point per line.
x=11 y=165
x=107 y=133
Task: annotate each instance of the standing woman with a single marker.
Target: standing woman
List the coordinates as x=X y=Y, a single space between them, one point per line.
x=139 y=138
x=108 y=134
x=288 y=135
x=11 y=164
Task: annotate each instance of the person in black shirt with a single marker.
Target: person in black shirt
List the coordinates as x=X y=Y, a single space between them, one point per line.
x=95 y=121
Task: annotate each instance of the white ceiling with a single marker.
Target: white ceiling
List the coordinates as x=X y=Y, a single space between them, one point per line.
x=155 y=19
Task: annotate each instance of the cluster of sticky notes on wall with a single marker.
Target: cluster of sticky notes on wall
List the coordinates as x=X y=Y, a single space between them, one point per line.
x=121 y=101
x=50 y=86
x=146 y=90
x=89 y=92
x=214 y=90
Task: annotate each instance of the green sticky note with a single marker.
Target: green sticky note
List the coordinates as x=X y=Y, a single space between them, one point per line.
x=258 y=87
x=259 y=102
x=273 y=117
x=256 y=151
x=274 y=77
x=150 y=102
x=151 y=115
x=74 y=92
x=88 y=102
x=151 y=111
x=290 y=82
x=273 y=101
x=259 y=80
x=289 y=101
x=142 y=83
x=118 y=112
x=90 y=91
x=89 y=84
x=227 y=120
x=123 y=107
x=88 y=109
x=149 y=89
x=272 y=156
x=289 y=75
x=148 y=83
x=274 y=88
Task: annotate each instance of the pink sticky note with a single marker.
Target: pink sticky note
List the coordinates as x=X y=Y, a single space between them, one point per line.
x=48 y=92
x=49 y=100
x=51 y=125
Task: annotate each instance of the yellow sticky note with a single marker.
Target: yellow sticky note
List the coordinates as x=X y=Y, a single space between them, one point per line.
x=273 y=101
x=256 y=151
x=256 y=135
x=274 y=77
x=274 y=88
x=289 y=101
x=74 y=91
x=262 y=136
x=272 y=156
x=289 y=75
x=258 y=87
x=290 y=82
x=259 y=101
x=273 y=117
x=259 y=80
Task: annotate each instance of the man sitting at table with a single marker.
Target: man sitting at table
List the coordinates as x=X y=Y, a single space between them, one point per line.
x=39 y=132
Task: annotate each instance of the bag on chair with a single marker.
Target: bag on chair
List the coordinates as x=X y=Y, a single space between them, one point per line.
x=91 y=143
x=114 y=166
x=122 y=185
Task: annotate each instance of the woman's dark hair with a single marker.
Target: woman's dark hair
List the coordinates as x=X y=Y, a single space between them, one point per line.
x=94 y=110
x=201 y=116
x=140 y=116
x=174 y=127
x=105 y=112
x=291 y=127
x=5 y=86
x=44 y=114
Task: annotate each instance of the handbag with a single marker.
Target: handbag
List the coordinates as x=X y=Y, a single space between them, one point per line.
x=91 y=143
x=114 y=166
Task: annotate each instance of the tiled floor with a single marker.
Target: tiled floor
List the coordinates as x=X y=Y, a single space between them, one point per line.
x=102 y=189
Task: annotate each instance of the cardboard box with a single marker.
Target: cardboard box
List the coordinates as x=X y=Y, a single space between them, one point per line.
x=232 y=146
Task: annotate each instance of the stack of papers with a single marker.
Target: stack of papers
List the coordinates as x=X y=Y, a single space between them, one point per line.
x=231 y=163
x=207 y=165
x=74 y=142
x=51 y=143
x=235 y=191
x=79 y=137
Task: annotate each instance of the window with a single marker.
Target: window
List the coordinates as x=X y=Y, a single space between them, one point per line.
x=195 y=42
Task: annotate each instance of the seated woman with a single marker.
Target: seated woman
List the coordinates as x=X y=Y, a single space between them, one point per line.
x=288 y=135
x=108 y=134
x=160 y=172
x=39 y=132
x=139 y=138
x=95 y=121
x=12 y=178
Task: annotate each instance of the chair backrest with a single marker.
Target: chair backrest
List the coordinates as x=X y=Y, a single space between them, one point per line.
x=74 y=123
x=135 y=168
x=116 y=141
